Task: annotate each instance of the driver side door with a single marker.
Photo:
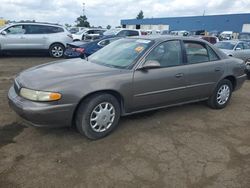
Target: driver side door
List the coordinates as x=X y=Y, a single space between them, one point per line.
x=166 y=85
x=14 y=39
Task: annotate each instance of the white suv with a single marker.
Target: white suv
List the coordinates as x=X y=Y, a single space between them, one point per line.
x=35 y=36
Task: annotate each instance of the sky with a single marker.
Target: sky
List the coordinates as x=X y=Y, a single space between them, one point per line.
x=103 y=13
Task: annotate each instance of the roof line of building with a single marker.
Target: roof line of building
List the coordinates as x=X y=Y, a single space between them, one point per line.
x=175 y=17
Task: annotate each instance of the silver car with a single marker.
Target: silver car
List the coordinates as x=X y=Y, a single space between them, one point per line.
x=128 y=76
x=234 y=48
x=35 y=36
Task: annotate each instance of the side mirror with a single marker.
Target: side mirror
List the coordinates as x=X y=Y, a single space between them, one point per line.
x=151 y=64
x=3 y=33
x=238 y=49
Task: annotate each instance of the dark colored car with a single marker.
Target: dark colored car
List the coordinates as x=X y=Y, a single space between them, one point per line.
x=130 y=75
x=86 y=48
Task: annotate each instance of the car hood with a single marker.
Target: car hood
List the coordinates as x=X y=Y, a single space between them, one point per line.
x=228 y=52
x=50 y=74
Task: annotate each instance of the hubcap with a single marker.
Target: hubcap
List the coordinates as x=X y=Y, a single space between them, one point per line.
x=102 y=117
x=57 y=51
x=223 y=94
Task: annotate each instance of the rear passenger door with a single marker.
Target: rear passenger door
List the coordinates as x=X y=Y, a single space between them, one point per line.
x=14 y=39
x=204 y=69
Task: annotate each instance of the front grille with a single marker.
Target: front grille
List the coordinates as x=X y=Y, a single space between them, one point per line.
x=16 y=86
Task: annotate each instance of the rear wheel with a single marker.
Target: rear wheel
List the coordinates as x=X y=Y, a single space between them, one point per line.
x=56 y=50
x=98 y=115
x=221 y=95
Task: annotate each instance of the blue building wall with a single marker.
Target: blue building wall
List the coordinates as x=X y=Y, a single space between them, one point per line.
x=229 y=22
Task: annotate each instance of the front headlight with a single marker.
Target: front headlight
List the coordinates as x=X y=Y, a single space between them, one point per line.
x=39 y=95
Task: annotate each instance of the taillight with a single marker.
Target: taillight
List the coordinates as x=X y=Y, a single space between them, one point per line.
x=79 y=50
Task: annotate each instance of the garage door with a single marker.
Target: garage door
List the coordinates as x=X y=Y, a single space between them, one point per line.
x=246 y=28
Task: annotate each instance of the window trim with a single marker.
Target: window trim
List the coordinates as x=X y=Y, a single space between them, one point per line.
x=155 y=46
x=99 y=43
x=14 y=26
x=196 y=42
x=218 y=58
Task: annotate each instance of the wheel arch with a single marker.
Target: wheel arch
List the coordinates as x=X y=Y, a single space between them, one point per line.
x=56 y=43
x=116 y=94
x=233 y=80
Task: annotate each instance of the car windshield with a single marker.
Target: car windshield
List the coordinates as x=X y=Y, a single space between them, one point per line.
x=111 y=32
x=244 y=36
x=121 y=53
x=225 y=45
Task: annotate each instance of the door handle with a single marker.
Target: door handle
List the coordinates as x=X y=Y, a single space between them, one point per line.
x=217 y=69
x=179 y=75
x=22 y=37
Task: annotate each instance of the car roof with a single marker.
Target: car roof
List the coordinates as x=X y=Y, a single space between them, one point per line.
x=233 y=41
x=161 y=38
x=35 y=23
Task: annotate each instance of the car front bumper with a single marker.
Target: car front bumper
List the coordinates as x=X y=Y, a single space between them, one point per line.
x=41 y=114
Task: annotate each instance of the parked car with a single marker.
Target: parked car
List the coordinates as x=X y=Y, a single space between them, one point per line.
x=180 y=33
x=35 y=36
x=84 y=49
x=165 y=32
x=211 y=39
x=214 y=33
x=90 y=32
x=130 y=75
x=244 y=37
x=226 y=35
x=74 y=30
x=120 y=32
x=234 y=48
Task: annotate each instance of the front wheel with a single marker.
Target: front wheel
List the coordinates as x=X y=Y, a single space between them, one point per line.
x=98 y=115
x=56 y=50
x=221 y=95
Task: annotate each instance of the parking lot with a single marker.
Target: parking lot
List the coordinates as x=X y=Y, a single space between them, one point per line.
x=187 y=146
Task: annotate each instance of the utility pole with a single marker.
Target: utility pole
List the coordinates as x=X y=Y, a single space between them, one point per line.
x=83 y=9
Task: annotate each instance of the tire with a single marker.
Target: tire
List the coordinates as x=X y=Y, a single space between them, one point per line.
x=94 y=125
x=224 y=91
x=56 y=50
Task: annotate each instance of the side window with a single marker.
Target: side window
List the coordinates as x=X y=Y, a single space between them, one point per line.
x=168 y=54
x=246 y=46
x=133 y=33
x=240 y=46
x=104 y=42
x=90 y=32
x=33 y=29
x=196 y=52
x=15 y=30
x=122 y=33
x=52 y=29
x=212 y=55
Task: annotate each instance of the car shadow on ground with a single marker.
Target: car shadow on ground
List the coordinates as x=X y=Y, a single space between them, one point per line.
x=25 y=54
